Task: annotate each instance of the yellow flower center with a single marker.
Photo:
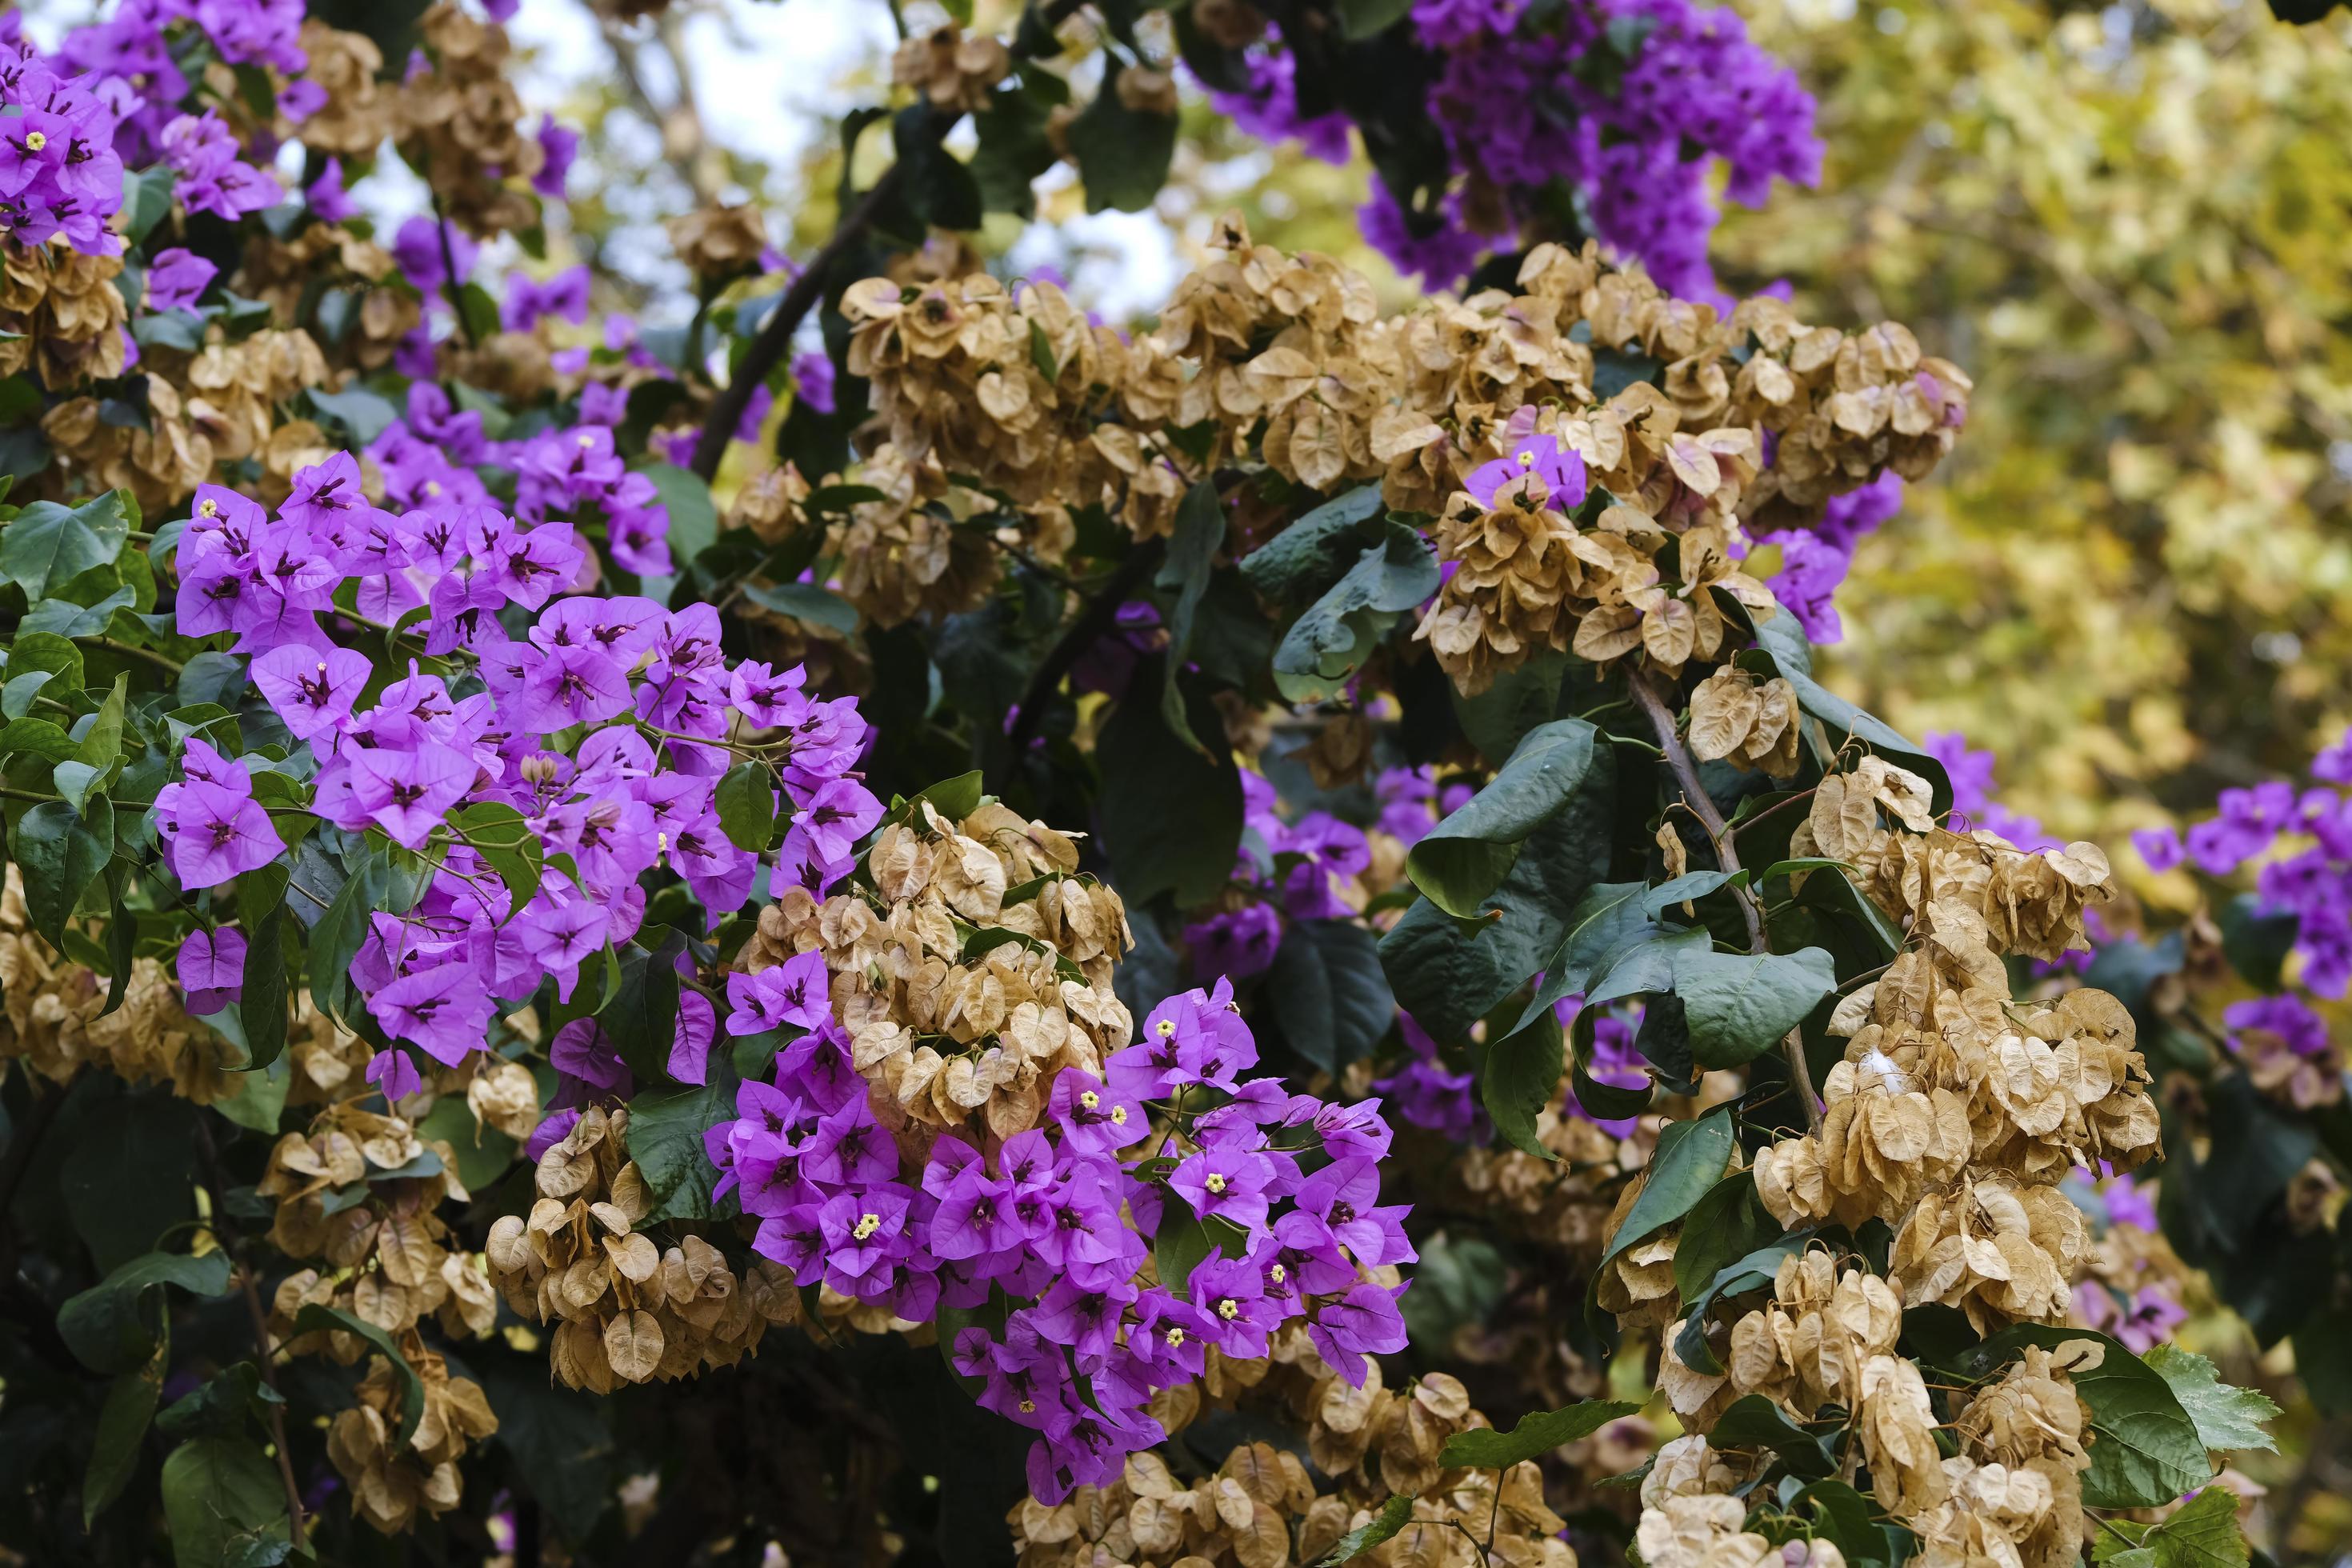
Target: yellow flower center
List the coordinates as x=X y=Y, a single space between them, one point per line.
x=208 y=507
x=1216 y=1184
x=1527 y=459
x=1175 y=1338
x=1119 y=1115
x=1229 y=1309
x=1166 y=1028
x=35 y=141
x=1090 y=1098
x=867 y=1224
x=586 y=440
x=1028 y=1407
x=432 y=487
x=1277 y=1274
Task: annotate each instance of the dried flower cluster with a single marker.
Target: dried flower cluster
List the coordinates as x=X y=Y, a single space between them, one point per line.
x=392 y=1481
x=60 y=314
x=945 y=1015
x=625 y=1309
x=1261 y=1508
x=56 y=1021
x=954 y=70
x=459 y=121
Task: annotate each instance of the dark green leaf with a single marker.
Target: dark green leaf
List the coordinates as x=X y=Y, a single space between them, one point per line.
x=1739 y=1005
x=499 y=834
x=1521 y=1078
x=693 y=520
x=1327 y=645
x=1730 y=1222
x=217 y=1489
x=1683 y=889
x=1783 y=645
x=48 y=543
x=122 y=1430
x=261 y=1004
x=1171 y=817
x=101 y=1325
x=364 y=414
x=1755 y=1422
x=2201 y=1533
x=1327 y=990
x=809 y=602
x=665 y=1129
x=2253 y=941
x=1465 y=857
x=1534 y=1436
x=1200 y=531
x=1122 y=153
x=1362 y=18
x=59 y=852
x=317 y=1319
x=1312 y=553
x=747 y=806
x=219 y=1405
x=1689 y=1163
x=1752 y=1272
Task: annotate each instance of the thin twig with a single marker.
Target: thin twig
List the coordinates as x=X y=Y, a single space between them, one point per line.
x=775 y=337
x=210 y=1158
x=450 y=287
x=1101 y=614
x=1702 y=805
x=133 y=650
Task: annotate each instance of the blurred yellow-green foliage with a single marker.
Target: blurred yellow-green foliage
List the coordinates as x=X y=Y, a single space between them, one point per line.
x=2129 y=223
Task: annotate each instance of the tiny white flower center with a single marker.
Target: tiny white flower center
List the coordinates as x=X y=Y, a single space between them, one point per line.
x=1090 y=1098
x=867 y=1224
x=1229 y=1309
x=1216 y=1184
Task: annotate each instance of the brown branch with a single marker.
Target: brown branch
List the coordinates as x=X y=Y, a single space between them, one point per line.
x=768 y=349
x=1700 y=805
x=210 y=1158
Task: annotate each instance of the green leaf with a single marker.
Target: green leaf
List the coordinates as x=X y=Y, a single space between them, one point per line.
x=2146 y=1451
x=260 y=1098
x=1327 y=990
x=59 y=852
x=1327 y=645
x=1689 y=1163
x=747 y=806
x=48 y=543
x=1783 y=643
x=217 y=1489
x=1191 y=551
x=2254 y=941
x=1465 y=857
x=68 y=619
x=317 y=1319
x=147 y=195
x=1449 y=974
x=1362 y=18
x=1521 y=1076
x=261 y=1004
x=2201 y=1533
x=693 y=518
x=1739 y=1005
x=954 y=798
x=1755 y=1422
x=1184 y=1240
x=365 y=414
x=1752 y=1272
x=1683 y=889
x=1122 y=153
x=1314 y=551
x=122 y=1423
x=31 y=651
x=499 y=834
x=1171 y=816
x=642 y=1013
x=219 y=1405
x=1535 y=1436
x=1394 y=1515
x=101 y=1324
x=2228 y=1419
x=1730 y=1222
x=809 y=602
x=665 y=1129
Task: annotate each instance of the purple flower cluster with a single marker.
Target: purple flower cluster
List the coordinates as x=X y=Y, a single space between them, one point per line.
x=2314 y=883
x=59 y=173
x=1974 y=802
x=1628 y=101
x=1815 y=561
x=1280 y=1191
x=1268 y=106
x=2291 y=1018
x=212 y=179
x=2142 y=1318
x=601 y=724
x=1300 y=871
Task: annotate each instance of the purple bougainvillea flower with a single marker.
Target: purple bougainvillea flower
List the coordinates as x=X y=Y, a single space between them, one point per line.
x=212 y=968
